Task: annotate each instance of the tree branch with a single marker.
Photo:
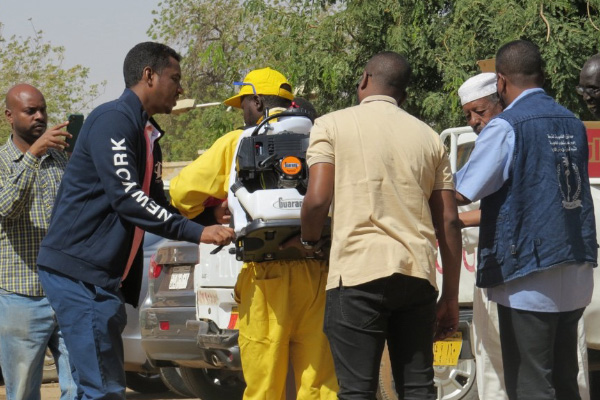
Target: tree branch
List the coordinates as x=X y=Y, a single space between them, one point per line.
x=590 y=17
x=546 y=21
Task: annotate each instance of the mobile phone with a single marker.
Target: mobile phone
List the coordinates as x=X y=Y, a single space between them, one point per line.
x=75 y=123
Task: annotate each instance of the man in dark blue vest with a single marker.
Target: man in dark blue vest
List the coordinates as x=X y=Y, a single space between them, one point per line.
x=537 y=240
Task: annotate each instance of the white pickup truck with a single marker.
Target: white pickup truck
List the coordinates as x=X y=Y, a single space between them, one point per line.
x=214 y=277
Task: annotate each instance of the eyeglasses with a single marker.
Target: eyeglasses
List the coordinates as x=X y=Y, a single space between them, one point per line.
x=245 y=84
x=590 y=91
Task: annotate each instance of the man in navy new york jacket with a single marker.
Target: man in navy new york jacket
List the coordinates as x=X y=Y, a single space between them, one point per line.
x=111 y=192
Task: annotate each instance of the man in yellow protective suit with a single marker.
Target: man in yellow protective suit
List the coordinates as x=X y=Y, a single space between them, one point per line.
x=281 y=303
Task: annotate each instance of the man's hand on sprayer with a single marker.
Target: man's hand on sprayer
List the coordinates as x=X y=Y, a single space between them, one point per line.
x=320 y=251
x=217 y=234
x=222 y=213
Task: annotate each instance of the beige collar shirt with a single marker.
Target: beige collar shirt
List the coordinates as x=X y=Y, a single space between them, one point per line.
x=387 y=163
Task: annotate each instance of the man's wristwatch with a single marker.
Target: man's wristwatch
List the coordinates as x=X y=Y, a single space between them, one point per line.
x=308 y=245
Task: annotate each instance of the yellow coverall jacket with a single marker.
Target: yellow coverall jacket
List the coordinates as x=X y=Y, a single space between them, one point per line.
x=281 y=303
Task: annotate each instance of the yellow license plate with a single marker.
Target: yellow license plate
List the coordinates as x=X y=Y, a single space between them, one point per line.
x=446 y=352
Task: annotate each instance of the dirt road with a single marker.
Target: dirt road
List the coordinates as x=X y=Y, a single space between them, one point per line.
x=51 y=391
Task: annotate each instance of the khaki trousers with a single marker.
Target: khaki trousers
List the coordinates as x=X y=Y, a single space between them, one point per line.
x=281 y=307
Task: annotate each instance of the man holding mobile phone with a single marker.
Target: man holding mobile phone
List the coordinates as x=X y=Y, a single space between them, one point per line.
x=31 y=167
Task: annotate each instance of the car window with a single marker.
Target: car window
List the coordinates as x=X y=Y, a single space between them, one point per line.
x=150 y=239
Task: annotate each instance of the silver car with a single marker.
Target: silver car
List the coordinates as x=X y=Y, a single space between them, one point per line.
x=172 y=335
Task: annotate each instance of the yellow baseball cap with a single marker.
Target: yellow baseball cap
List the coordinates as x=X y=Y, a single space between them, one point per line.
x=265 y=81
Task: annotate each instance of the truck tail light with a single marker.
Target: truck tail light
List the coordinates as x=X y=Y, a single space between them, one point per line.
x=154 y=269
x=233 y=319
x=164 y=325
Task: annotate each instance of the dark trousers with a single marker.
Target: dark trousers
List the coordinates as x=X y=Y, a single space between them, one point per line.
x=539 y=352
x=359 y=320
x=91 y=320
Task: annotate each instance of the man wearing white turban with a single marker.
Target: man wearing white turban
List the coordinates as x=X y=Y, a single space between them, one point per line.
x=479 y=100
x=480 y=103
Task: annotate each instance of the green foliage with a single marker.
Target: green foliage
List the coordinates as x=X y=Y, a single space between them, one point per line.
x=560 y=28
x=31 y=60
x=196 y=130
x=323 y=45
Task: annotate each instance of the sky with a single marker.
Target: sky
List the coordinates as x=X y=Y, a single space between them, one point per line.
x=95 y=34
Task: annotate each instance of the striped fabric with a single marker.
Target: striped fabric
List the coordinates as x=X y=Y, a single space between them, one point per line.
x=28 y=187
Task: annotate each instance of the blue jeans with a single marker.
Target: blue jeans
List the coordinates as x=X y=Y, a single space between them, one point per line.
x=359 y=320
x=92 y=320
x=29 y=326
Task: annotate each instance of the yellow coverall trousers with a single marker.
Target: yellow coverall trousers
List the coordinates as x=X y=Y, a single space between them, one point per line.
x=281 y=307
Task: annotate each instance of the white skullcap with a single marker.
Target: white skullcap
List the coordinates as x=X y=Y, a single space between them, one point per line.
x=476 y=87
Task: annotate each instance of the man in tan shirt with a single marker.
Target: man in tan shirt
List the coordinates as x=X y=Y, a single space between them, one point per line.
x=388 y=178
